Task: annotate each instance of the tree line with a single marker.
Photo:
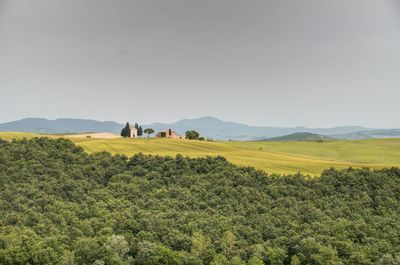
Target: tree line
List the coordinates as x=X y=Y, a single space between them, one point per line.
x=193 y=135
x=61 y=205
x=126 y=132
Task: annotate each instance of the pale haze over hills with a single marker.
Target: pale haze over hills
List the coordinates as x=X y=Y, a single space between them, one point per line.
x=207 y=126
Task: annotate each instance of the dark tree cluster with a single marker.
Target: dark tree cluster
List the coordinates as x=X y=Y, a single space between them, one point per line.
x=139 y=129
x=60 y=205
x=193 y=135
x=126 y=131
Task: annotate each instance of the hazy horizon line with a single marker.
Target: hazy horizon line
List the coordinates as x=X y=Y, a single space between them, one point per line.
x=195 y=118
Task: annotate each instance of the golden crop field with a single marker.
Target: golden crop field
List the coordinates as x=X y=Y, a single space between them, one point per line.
x=308 y=157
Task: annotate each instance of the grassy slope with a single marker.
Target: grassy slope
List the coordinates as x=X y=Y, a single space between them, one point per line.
x=301 y=136
x=273 y=157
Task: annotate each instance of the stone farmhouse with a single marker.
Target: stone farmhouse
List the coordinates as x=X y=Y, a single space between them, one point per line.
x=169 y=134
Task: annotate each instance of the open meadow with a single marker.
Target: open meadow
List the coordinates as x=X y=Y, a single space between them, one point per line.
x=309 y=157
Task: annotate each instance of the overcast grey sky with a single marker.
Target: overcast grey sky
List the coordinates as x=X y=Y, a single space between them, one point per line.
x=317 y=63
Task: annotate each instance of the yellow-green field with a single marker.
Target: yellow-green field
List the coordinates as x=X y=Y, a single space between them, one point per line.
x=272 y=157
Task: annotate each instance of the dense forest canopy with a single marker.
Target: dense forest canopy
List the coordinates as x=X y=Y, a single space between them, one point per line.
x=60 y=205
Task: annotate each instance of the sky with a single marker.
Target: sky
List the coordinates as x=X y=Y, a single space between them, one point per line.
x=315 y=63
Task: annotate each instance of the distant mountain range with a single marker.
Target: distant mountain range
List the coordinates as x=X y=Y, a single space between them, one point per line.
x=218 y=129
x=369 y=134
x=39 y=125
x=207 y=126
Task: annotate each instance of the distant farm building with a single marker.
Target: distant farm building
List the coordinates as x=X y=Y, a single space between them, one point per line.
x=134 y=132
x=169 y=134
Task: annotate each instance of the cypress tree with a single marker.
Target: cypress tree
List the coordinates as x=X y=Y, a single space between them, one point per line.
x=126 y=131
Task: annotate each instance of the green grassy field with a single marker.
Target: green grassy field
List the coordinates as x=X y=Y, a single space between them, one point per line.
x=273 y=157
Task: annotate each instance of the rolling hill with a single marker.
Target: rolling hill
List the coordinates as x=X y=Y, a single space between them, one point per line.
x=300 y=136
x=308 y=157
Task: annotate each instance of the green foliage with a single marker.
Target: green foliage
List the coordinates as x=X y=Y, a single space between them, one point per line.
x=389 y=259
x=117 y=246
x=295 y=260
x=220 y=259
x=61 y=205
x=126 y=131
x=192 y=135
x=255 y=261
x=140 y=131
x=228 y=244
x=148 y=131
